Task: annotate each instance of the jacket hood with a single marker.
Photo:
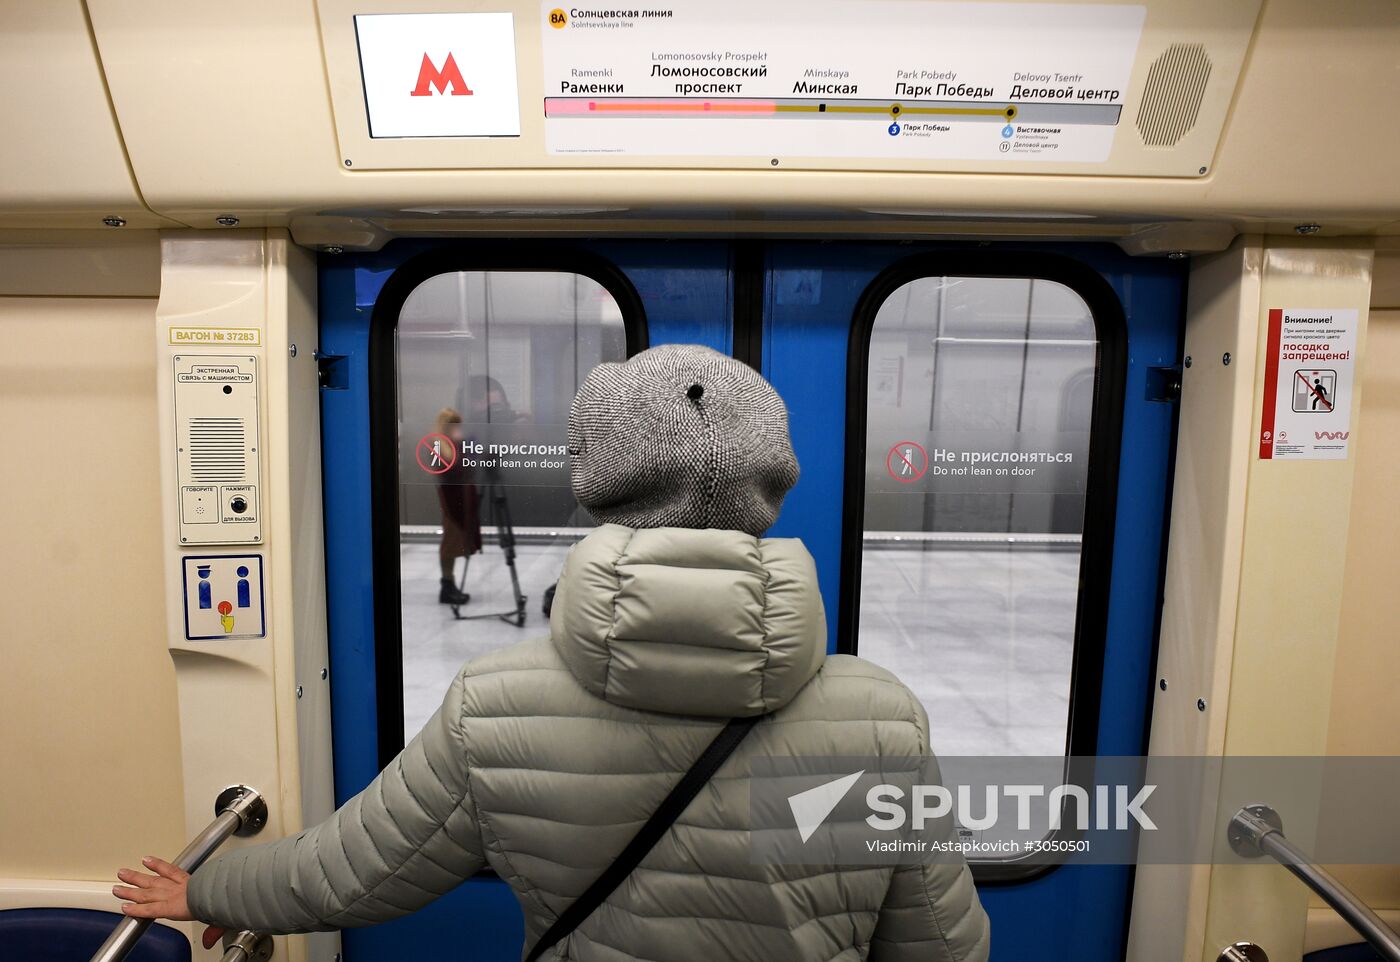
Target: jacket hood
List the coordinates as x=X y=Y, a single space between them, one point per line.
x=689 y=622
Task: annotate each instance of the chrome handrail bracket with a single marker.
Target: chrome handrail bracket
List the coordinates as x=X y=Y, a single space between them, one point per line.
x=247 y=947
x=248 y=804
x=1248 y=828
x=1242 y=952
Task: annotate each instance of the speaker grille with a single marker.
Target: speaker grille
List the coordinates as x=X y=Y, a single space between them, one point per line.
x=1171 y=101
x=217 y=447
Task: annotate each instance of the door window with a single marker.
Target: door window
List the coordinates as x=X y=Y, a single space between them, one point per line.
x=979 y=402
x=487 y=363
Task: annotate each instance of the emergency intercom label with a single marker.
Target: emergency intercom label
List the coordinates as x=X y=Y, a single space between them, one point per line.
x=995 y=82
x=224 y=597
x=1308 y=380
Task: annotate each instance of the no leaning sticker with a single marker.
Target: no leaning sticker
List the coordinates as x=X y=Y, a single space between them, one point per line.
x=1308 y=379
x=907 y=461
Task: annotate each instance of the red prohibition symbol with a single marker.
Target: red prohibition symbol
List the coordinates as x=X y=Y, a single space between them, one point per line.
x=907 y=462
x=436 y=453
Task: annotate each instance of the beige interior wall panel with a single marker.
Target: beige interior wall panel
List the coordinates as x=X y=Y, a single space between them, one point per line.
x=223 y=106
x=87 y=698
x=80 y=263
x=1365 y=717
x=1203 y=572
x=295 y=428
x=62 y=163
x=1293 y=145
x=1286 y=627
x=1385 y=286
x=298 y=544
x=1264 y=668
x=241 y=717
x=1327 y=930
x=228 y=108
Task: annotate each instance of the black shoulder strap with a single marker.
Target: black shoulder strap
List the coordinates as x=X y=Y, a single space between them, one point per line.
x=648 y=835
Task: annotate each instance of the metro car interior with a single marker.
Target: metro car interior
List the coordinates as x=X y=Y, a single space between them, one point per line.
x=1043 y=286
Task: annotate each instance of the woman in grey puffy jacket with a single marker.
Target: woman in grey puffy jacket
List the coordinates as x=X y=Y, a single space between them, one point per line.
x=546 y=757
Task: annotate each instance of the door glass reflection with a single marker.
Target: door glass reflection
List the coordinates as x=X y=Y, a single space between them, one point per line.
x=981 y=394
x=487 y=364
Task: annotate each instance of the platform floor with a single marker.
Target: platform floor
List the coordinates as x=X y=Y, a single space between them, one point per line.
x=984 y=637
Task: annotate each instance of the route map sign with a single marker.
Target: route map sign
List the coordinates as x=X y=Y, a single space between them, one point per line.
x=905 y=79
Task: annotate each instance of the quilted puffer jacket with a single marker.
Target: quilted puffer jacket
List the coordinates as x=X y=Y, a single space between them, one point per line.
x=546 y=757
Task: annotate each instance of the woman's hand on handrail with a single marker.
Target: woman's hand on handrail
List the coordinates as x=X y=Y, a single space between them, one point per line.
x=159 y=896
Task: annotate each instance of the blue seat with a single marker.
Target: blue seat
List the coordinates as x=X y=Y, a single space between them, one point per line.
x=72 y=935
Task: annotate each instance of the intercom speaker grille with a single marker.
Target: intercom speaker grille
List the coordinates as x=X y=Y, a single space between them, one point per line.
x=1171 y=101
x=217 y=447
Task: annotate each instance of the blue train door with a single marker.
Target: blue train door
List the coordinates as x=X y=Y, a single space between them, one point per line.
x=986 y=448
x=431 y=349
x=1017 y=597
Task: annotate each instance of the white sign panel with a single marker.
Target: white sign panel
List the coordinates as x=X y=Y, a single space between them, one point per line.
x=224 y=597
x=877 y=79
x=1308 y=379
x=439 y=74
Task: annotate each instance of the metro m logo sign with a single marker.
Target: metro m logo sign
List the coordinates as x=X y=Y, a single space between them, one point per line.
x=414 y=68
x=429 y=77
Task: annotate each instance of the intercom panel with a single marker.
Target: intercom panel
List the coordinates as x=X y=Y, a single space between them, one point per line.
x=216 y=438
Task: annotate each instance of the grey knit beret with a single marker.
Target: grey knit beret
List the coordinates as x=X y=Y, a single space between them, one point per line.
x=681 y=436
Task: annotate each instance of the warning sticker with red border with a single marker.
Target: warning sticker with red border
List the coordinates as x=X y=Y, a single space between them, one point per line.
x=1308 y=379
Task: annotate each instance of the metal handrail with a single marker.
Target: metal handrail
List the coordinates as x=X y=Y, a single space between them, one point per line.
x=1257 y=830
x=248 y=947
x=239 y=810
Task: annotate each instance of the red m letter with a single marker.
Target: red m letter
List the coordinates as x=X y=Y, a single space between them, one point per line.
x=430 y=76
